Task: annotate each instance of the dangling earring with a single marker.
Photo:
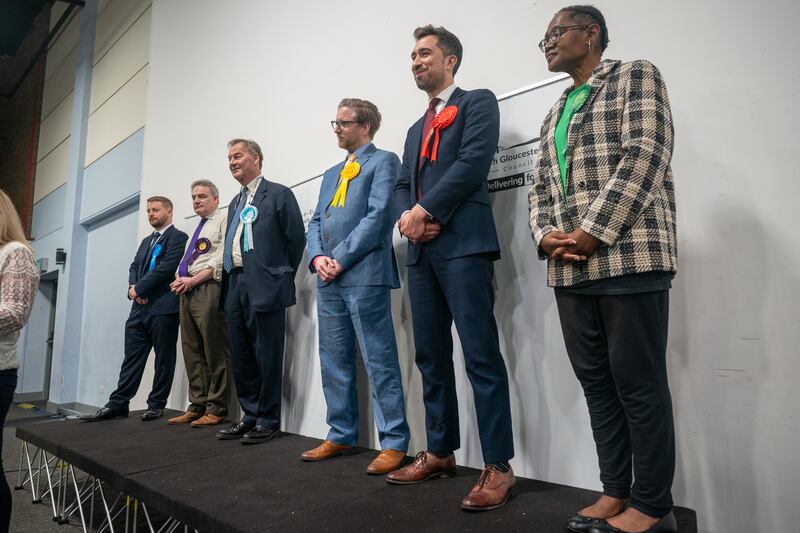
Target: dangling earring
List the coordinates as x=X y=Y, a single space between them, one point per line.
x=590 y=46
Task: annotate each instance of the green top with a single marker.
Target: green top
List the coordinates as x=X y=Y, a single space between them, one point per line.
x=575 y=100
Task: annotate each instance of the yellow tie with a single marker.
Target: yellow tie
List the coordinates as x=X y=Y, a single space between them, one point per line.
x=348 y=173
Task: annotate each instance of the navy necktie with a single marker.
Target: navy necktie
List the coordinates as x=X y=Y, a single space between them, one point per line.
x=227 y=254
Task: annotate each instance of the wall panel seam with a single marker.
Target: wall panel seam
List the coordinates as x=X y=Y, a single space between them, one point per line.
x=119 y=89
x=121 y=36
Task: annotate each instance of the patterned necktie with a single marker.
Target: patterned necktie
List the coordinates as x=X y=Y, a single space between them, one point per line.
x=183 y=268
x=227 y=254
x=426 y=129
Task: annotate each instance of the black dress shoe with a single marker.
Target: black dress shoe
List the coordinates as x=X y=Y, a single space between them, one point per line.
x=104 y=413
x=666 y=524
x=260 y=434
x=580 y=523
x=234 y=431
x=152 y=414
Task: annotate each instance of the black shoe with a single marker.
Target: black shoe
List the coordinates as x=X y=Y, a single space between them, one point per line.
x=152 y=414
x=667 y=524
x=259 y=434
x=235 y=431
x=579 y=523
x=104 y=413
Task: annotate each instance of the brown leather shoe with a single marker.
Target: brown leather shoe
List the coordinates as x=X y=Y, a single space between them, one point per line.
x=493 y=489
x=326 y=450
x=387 y=461
x=207 y=420
x=425 y=466
x=185 y=418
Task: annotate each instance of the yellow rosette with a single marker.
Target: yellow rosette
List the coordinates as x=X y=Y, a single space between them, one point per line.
x=349 y=172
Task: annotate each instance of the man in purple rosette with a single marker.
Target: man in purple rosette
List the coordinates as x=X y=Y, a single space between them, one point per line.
x=203 y=337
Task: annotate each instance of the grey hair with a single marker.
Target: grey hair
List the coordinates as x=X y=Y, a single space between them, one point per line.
x=250 y=146
x=205 y=183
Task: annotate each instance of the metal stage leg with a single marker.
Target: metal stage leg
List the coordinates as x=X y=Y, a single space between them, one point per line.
x=77 y=498
x=49 y=475
x=19 y=485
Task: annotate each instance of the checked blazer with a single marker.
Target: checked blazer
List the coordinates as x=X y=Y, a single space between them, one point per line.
x=619 y=181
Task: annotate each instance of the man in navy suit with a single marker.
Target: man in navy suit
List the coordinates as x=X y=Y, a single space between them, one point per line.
x=442 y=203
x=350 y=250
x=264 y=244
x=153 y=321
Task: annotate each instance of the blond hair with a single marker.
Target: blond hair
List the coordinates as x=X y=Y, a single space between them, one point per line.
x=10 y=224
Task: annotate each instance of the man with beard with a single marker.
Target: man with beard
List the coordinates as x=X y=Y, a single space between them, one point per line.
x=442 y=205
x=153 y=321
x=350 y=250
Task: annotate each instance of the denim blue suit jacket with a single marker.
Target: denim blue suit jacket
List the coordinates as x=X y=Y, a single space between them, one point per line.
x=359 y=234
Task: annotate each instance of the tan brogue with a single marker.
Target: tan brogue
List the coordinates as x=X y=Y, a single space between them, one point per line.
x=387 y=461
x=326 y=450
x=208 y=420
x=493 y=489
x=185 y=418
x=425 y=466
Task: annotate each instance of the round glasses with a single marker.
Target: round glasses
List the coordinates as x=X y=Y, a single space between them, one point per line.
x=557 y=33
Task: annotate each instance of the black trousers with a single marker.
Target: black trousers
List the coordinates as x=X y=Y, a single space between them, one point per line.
x=256 y=343
x=8 y=383
x=144 y=332
x=617 y=345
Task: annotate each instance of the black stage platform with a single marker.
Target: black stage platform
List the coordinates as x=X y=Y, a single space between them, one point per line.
x=222 y=486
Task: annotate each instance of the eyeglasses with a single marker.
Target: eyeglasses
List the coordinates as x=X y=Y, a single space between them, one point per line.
x=342 y=124
x=557 y=33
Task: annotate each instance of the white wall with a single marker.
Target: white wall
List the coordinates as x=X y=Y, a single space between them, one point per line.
x=272 y=72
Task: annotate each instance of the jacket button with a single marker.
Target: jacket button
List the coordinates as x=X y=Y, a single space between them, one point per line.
x=550 y=199
x=327 y=214
x=325 y=237
x=581 y=184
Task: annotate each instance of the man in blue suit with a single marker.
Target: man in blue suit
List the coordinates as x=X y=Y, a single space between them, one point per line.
x=153 y=321
x=350 y=250
x=264 y=244
x=442 y=203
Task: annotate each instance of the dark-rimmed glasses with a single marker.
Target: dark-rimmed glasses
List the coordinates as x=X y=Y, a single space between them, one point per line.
x=342 y=124
x=558 y=32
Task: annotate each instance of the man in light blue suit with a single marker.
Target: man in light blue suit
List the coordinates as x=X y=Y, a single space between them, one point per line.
x=350 y=250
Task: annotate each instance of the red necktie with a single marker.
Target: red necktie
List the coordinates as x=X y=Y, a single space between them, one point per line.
x=426 y=129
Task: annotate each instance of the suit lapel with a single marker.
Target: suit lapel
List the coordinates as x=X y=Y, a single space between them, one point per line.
x=332 y=184
x=455 y=99
x=596 y=83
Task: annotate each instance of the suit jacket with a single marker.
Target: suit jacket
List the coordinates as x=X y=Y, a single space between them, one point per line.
x=454 y=188
x=619 y=181
x=279 y=241
x=359 y=234
x=154 y=284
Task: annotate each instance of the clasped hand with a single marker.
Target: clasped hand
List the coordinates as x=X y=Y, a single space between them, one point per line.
x=181 y=285
x=327 y=267
x=132 y=295
x=570 y=247
x=416 y=226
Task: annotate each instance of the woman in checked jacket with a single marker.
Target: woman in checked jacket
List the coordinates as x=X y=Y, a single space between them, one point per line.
x=602 y=212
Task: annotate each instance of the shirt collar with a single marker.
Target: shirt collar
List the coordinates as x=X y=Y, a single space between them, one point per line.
x=162 y=230
x=253 y=185
x=445 y=95
x=361 y=149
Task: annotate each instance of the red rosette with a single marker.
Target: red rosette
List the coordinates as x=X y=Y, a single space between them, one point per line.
x=440 y=122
